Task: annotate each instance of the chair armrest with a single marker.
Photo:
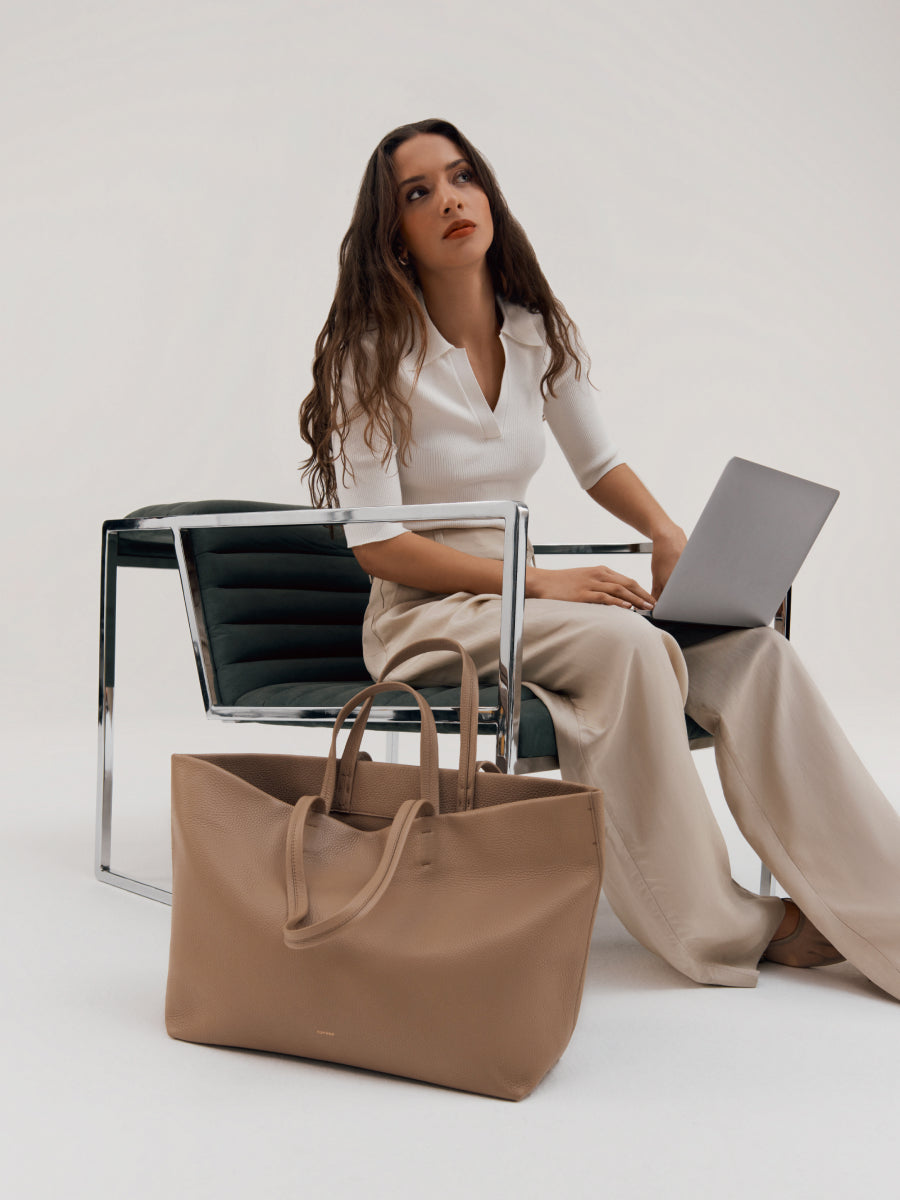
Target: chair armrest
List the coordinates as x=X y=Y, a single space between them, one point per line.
x=595 y=548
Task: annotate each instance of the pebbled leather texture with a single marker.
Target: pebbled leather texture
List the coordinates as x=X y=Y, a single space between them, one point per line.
x=443 y=939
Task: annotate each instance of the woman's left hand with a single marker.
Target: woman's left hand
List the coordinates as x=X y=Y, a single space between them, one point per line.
x=667 y=548
x=620 y=492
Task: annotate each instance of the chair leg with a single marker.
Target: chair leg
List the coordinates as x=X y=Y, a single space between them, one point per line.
x=765 y=880
x=393 y=747
x=108 y=566
x=103 y=828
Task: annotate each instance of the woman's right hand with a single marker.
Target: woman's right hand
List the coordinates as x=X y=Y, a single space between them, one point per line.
x=587 y=585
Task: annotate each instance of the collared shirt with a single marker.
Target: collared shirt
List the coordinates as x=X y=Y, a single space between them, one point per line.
x=461 y=449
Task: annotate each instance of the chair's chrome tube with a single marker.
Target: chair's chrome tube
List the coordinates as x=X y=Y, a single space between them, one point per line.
x=190 y=588
x=783 y=616
x=467 y=510
x=108 y=568
x=103 y=825
x=595 y=548
x=512 y=618
x=392 y=746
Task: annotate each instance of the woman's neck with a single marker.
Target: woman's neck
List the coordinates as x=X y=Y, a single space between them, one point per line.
x=462 y=307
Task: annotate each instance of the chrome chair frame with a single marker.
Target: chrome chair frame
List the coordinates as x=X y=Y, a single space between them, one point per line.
x=504 y=719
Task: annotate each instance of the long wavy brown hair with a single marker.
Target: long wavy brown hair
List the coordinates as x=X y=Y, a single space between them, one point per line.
x=376 y=317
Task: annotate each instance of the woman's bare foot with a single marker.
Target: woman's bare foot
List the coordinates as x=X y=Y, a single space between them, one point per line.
x=797 y=942
x=789 y=921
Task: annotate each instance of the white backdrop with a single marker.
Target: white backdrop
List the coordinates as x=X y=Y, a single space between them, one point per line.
x=712 y=188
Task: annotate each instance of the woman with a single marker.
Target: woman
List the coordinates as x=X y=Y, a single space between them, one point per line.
x=443 y=352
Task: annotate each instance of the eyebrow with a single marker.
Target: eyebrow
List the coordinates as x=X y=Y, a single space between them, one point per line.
x=449 y=167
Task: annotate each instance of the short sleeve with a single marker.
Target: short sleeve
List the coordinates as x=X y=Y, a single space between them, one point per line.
x=372 y=483
x=575 y=417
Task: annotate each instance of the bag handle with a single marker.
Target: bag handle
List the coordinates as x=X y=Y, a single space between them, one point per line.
x=468 y=724
x=295 y=880
x=428 y=744
x=296 y=935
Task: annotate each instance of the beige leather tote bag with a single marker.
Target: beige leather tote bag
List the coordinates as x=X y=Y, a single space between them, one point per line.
x=408 y=919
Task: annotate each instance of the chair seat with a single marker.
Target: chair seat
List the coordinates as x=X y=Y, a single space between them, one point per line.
x=537 y=737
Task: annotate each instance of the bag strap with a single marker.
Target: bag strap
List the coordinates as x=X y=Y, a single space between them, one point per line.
x=468 y=724
x=297 y=895
x=298 y=936
x=428 y=744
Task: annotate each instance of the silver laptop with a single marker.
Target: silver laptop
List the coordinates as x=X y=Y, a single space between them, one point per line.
x=749 y=543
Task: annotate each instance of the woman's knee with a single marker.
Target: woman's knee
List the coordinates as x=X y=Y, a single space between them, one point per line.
x=737 y=663
x=588 y=629
x=762 y=643
x=587 y=643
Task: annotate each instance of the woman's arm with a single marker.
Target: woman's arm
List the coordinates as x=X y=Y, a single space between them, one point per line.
x=620 y=492
x=421 y=563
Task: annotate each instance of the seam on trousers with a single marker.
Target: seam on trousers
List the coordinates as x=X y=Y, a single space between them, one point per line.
x=373 y=622
x=744 y=972
x=728 y=749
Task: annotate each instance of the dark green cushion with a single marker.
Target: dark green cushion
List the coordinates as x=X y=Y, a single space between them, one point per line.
x=282 y=604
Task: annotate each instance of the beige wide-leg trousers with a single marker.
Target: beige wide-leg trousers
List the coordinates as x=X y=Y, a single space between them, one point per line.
x=617 y=688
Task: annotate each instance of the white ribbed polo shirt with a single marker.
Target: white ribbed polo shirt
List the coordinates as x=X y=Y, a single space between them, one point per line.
x=462 y=449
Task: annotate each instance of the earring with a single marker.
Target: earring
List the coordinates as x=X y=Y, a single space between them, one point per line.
x=403 y=259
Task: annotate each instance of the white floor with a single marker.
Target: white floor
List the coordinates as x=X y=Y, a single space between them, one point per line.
x=668 y=1089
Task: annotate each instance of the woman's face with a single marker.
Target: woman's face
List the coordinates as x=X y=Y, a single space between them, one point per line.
x=438 y=194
